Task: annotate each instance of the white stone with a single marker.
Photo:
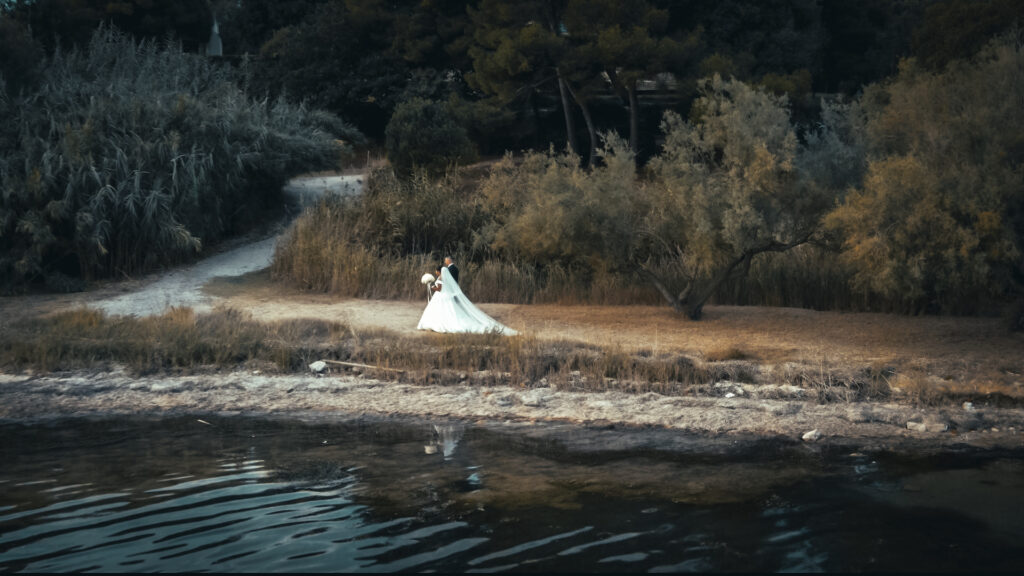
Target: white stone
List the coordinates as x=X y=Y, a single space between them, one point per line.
x=318 y=366
x=531 y=399
x=502 y=399
x=730 y=395
x=812 y=435
x=917 y=426
x=968 y=406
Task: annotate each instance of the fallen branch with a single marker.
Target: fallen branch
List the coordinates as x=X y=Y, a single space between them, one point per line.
x=357 y=365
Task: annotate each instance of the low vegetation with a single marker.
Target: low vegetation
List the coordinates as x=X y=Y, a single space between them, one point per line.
x=906 y=200
x=226 y=339
x=130 y=155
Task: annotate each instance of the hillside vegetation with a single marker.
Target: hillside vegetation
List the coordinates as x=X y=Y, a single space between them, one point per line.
x=133 y=154
x=907 y=199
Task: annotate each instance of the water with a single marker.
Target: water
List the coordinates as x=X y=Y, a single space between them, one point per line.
x=243 y=494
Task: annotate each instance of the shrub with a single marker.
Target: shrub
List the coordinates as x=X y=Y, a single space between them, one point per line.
x=549 y=210
x=425 y=134
x=132 y=155
x=939 y=221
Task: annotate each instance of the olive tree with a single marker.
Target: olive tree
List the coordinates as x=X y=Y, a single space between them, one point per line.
x=728 y=186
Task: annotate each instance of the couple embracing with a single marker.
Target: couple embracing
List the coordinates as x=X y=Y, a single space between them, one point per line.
x=450 y=311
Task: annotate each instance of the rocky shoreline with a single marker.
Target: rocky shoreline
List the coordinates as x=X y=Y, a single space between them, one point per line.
x=739 y=418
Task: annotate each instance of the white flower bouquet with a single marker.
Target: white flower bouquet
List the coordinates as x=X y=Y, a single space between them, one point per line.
x=427 y=279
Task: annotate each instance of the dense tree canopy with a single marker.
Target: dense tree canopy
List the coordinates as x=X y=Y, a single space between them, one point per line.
x=72 y=22
x=687 y=137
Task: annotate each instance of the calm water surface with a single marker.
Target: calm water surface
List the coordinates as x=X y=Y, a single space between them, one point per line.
x=244 y=494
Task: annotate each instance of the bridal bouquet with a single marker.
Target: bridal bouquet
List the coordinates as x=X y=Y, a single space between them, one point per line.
x=427 y=279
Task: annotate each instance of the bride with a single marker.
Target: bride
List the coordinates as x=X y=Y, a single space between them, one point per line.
x=450 y=311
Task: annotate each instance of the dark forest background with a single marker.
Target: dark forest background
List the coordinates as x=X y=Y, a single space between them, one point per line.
x=775 y=151
x=498 y=63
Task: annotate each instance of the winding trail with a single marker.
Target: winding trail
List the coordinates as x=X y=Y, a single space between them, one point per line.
x=183 y=286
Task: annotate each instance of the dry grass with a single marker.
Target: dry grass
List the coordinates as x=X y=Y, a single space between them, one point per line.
x=973 y=357
x=725 y=353
x=227 y=338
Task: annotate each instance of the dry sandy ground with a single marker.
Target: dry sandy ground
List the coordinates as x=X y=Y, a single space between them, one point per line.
x=772 y=335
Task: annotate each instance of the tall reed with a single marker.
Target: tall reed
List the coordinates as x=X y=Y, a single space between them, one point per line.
x=130 y=155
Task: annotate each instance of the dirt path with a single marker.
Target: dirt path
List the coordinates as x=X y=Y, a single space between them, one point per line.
x=183 y=286
x=764 y=334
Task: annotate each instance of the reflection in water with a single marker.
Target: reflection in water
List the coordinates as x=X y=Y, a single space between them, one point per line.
x=255 y=495
x=448 y=436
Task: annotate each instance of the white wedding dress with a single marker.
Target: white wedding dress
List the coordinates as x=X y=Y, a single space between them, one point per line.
x=450 y=311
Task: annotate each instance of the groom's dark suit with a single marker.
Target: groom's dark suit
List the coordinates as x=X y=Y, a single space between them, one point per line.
x=454 y=270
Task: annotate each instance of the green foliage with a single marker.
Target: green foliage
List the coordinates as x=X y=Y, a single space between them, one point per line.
x=515 y=47
x=726 y=183
x=72 y=22
x=417 y=214
x=20 y=55
x=757 y=38
x=864 y=41
x=957 y=29
x=728 y=187
x=938 y=223
x=426 y=134
x=549 y=210
x=361 y=57
x=337 y=58
x=795 y=85
x=130 y=155
x=247 y=25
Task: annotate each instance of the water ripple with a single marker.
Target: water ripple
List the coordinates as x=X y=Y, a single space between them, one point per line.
x=239 y=520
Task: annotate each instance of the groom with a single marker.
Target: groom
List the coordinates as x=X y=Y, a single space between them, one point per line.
x=452 y=268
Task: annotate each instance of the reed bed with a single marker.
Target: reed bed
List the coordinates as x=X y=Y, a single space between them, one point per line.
x=131 y=155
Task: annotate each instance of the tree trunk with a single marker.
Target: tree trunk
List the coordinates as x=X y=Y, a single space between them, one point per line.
x=677 y=303
x=537 y=126
x=694 y=308
x=634 y=119
x=627 y=95
x=570 y=126
x=591 y=131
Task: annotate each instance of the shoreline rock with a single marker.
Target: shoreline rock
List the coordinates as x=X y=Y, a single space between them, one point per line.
x=742 y=420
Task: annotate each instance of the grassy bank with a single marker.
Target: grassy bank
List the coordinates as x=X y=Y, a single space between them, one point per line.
x=182 y=340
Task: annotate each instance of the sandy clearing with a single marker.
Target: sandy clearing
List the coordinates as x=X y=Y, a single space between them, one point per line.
x=768 y=334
